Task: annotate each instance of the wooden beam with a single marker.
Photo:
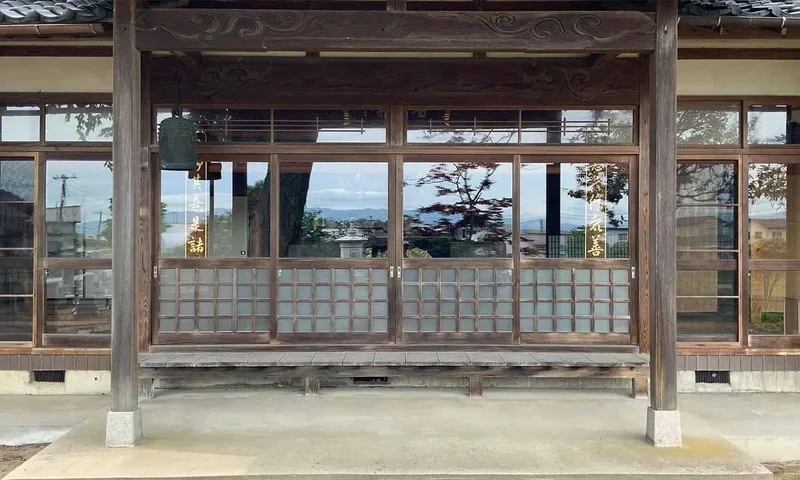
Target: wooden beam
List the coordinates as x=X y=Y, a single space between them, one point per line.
x=662 y=190
x=321 y=81
x=475 y=386
x=320 y=30
x=149 y=212
x=55 y=51
x=738 y=54
x=311 y=386
x=643 y=214
x=126 y=158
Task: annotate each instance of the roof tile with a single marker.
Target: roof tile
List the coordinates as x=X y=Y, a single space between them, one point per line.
x=63 y=11
x=741 y=8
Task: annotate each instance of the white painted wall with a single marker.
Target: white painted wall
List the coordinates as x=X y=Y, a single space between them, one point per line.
x=695 y=77
x=55 y=74
x=739 y=77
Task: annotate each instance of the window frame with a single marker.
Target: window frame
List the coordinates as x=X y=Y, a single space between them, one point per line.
x=44 y=99
x=37 y=313
x=722 y=341
x=774 y=265
x=46 y=263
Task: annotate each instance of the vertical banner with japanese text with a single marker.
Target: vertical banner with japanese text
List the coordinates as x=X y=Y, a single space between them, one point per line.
x=595 y=227
x=196 y=211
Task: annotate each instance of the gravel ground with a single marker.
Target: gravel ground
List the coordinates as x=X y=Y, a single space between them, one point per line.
x=12 y=457
x=785 y=471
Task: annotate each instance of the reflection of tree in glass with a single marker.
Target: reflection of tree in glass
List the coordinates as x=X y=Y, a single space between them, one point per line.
x=89 y=117
x=616 y=189
x=708 y=126
x=468 y=182
x=760 y=319
x=605 y=126
x=768 y=181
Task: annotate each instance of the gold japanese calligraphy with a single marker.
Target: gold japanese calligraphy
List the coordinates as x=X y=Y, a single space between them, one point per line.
x=196 y=215
x=596 y=208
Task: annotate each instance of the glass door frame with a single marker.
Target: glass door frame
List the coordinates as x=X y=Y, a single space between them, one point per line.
x=630 y=264
x=473 y=267
x=37 y=305
x=336 y=265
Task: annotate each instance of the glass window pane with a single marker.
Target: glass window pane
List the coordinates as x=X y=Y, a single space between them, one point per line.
x=16 y=272
x=16 y=224
x=773 y=125
x=774 y=195
x=712 y=125
x=16 y=180
x=16 y=318
x=463 y=126
x=457 y=210
x=19 y=123
x=226 y=125
x=238 y=195
x=78 y=208
x=706 y=183
x=560 y=202
x=774 y=303
x=334 y=209
x=330 y=126
x=577 y=126
x=708 y=316
x=78 y=122
x=709 y=283
x=701 y=311
x=706 y=228
x=78 y=301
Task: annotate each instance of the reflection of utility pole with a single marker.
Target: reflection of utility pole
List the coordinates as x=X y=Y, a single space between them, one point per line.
x=63 y=179
x=100 y=223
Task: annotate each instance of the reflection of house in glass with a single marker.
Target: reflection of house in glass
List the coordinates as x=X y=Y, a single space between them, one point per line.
x=766 y=228
x=571 y=244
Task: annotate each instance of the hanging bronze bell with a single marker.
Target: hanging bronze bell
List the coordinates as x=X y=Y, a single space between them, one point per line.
x=177 y=144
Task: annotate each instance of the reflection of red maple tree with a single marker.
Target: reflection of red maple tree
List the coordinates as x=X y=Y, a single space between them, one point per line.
x=468 y=182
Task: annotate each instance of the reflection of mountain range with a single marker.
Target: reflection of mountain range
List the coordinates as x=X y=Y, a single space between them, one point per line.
x=530 y=224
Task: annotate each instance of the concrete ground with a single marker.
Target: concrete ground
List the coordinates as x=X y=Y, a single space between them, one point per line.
x=392 y=433
x=765 y=425
x=28 y=419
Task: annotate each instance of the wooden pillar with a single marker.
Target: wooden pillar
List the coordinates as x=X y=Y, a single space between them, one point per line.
x=663 y=420
x=123 y=426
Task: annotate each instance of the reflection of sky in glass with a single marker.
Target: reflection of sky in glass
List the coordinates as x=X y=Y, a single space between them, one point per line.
x=19 y=124
x=533 y=204
x=90 y=189
x=338 y=186
x=349 y=186
x=766 y=127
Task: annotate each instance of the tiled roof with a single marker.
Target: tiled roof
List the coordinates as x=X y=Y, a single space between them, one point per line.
x=63 y=11
x=741 y=8
x=91 y=11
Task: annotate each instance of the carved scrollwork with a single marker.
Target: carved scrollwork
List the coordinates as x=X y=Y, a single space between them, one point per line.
x=586 y=26
x=320 y=30
x=206 y=26
x=581 y=83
